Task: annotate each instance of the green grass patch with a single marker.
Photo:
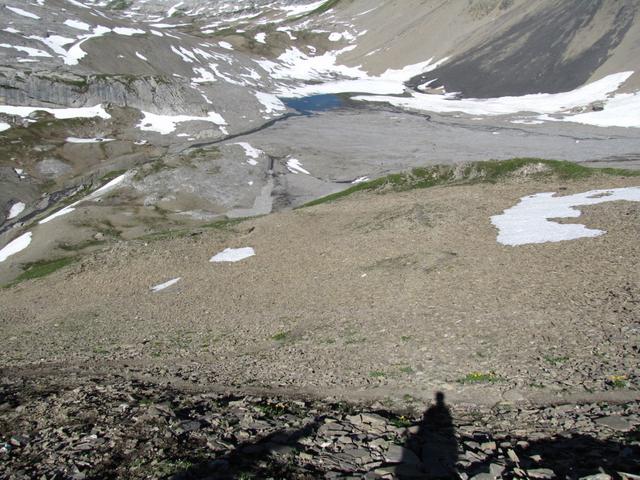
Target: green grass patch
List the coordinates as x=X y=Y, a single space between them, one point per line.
x=401 y=422
x=280 y=336
x=407 y=369
x=75 y=247
x=167 y=468
x=271 y=410
x=376 y=374
x=118 y=5
x=618 y=381
x=41 y=269
x=479 y=377
x=166 y=235
x=490 y=171
x=226 y=223
x=555 y=360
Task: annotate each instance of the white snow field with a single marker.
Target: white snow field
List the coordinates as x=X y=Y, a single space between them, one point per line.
x=620 y=110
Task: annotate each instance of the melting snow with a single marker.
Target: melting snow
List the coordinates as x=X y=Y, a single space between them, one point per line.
x=174 y=9
x=251 y=152
x=61 y=113
x=75 y=53
x=296 y=65
x=360 y=180
x=164 y=285
x=32 y=52
x=128 y=31
x=226 y=45
x=23 y=13
x=294 y=10
x=233 y=255
x=621 y=110
x=528 y=221
x=165 y=124
x=92 y=196
x=271 y=103
x=78 y=25
x=15 y=246
x=4 y=126
x=295 y=166
x=87 y=140
x=261 y=37
x=15 y=210
x=141 y=57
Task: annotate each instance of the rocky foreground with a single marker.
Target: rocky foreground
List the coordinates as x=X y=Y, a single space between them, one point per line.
x=113 y=427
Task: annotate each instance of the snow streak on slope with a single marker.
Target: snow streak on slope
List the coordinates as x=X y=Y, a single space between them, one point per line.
x=15 y=246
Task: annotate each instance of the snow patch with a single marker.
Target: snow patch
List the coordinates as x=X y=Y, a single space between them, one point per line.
x=32 y=52
x=294 y=166
x=4 y=126
x=165 y=124
x=251 y=152
x=15 y=210
x=61 y=113
x=87 y=140
x=128 y=32
x=271 y=103
x=528 y=222
x=78 y=25
x=233 y=255
x=92 y=196
x=360 y=180
x=295 y=10
x=23 y=13
x=167 y=284
x=15 y=246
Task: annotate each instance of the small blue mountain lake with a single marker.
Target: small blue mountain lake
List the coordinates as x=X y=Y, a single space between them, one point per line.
x=314 y=103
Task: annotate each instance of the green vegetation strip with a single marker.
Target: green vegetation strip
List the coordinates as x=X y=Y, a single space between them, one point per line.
x=41 y=269
x=490 y=171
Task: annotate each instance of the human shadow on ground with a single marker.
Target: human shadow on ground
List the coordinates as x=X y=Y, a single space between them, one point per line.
x=432 y=450
x=435 y=442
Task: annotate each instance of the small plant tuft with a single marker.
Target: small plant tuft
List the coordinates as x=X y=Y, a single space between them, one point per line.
x=479 y=377
x=618 y=381
x=280 y=336
x=41 y=269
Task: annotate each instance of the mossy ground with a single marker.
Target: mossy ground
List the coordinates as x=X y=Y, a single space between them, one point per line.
x=41 y=269
x=490 y=171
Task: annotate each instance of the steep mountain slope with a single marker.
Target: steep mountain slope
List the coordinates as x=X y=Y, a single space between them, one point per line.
x=187 y=105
